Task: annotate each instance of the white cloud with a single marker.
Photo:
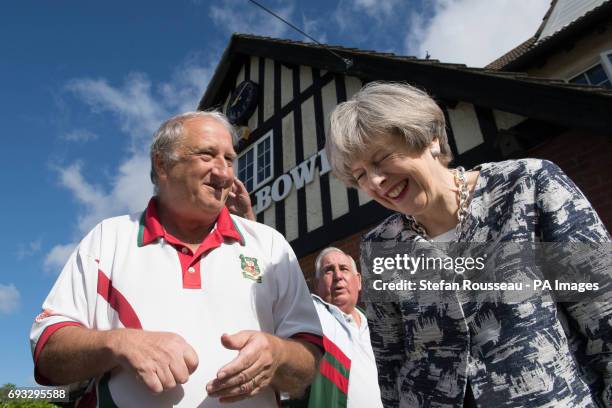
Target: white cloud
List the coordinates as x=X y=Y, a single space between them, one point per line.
x=243 y=17
x=79 y=136
x=9 y=298
x=315 y=28
x=57 y=257
x=188 y=83
x=378 y=9
x=369 y=24
x=138 y=107
x=29 y=249
x=474 y=32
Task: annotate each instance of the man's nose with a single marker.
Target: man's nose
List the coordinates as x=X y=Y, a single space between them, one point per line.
x=222 y=170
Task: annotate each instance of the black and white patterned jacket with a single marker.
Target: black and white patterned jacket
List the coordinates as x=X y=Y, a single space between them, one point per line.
x=512 y=355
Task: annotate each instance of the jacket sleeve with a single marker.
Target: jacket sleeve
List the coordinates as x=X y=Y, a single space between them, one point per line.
x=567 y=217
x=387 y=338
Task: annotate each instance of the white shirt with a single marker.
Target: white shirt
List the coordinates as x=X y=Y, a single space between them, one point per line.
x=363 y=381
x=448 y=236
x=127 y=272
x=353 y=341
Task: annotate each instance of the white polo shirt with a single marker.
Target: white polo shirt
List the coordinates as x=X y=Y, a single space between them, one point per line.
x=348 y=376
x=128 y=272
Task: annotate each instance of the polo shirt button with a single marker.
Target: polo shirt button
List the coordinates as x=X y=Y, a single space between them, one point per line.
x=191 y=269
x=184 y=250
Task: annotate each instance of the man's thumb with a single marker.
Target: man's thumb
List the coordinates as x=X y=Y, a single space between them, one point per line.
x=235 y=341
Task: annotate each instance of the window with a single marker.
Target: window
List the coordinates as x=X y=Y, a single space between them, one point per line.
x=255 y=163
x=599 y=74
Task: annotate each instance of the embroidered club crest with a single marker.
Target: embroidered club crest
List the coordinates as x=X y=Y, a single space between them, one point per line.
x=250 y=269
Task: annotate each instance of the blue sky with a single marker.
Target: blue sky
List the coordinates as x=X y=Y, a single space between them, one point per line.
x=84 y=85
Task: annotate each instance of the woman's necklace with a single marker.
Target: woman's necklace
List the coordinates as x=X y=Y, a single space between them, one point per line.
x=463 y=195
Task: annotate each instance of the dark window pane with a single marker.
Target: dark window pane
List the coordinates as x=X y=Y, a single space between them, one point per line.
x=597 y=75
x=245 y=169
x=242 y=167
x=580 y=79
x=264 y=160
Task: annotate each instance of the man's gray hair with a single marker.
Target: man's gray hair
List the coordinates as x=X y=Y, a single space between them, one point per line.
x=378 y=109
x=169 y=134
x=326 y=251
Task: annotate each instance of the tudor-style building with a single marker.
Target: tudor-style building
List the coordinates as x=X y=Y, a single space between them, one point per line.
x=281 y=93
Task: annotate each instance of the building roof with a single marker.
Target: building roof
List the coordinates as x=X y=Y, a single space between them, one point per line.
x=549 y=37
x=563 y=13
x=540 y=98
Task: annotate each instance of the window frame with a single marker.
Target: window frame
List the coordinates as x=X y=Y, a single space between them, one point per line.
x=605 y=60
x=255 y=149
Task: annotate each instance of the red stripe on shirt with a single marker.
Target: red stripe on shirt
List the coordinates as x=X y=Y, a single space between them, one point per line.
x=310 y=338
x=40 y=344
x=117 y=301
x=335 y=351
x=330 y=372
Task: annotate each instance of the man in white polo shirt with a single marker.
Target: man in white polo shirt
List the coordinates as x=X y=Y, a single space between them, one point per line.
x=183 y=304
x=347 y=373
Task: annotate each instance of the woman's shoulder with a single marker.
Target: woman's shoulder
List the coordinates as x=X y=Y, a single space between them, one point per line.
x=518 y=166
x=509 y=172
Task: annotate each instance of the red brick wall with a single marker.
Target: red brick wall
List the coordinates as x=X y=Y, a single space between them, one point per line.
x=587 y=159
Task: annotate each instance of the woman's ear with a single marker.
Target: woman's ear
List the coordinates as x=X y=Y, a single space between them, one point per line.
x=434 y=147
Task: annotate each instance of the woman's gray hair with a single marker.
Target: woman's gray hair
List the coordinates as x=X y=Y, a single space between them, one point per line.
x=169 y=135
x=378 y=109
x=326 y=251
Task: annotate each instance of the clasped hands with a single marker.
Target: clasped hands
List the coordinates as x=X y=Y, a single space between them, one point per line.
x=162 y=360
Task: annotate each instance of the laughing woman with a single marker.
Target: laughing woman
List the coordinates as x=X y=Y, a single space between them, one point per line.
x=390 y=141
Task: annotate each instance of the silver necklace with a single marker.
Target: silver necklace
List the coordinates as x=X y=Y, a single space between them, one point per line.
x=463 y=195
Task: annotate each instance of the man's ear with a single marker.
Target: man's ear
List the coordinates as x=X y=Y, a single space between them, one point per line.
x=358 y=274
x=160 y=167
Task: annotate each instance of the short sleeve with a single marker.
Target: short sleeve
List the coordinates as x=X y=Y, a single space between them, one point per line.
x=71 y=302
x=293 y=311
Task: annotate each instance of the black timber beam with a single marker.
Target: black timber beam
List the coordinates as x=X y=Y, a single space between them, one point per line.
x=572 y=107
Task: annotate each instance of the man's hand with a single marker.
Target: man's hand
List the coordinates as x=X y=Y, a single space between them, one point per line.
x=160 y=360
x=252 y=370
x=238 y=202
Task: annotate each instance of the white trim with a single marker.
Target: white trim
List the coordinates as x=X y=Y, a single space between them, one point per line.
x=606 y=62
x=255 y=148
x=602 y=60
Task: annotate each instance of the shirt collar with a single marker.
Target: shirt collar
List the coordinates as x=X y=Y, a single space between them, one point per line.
x=151 y=229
